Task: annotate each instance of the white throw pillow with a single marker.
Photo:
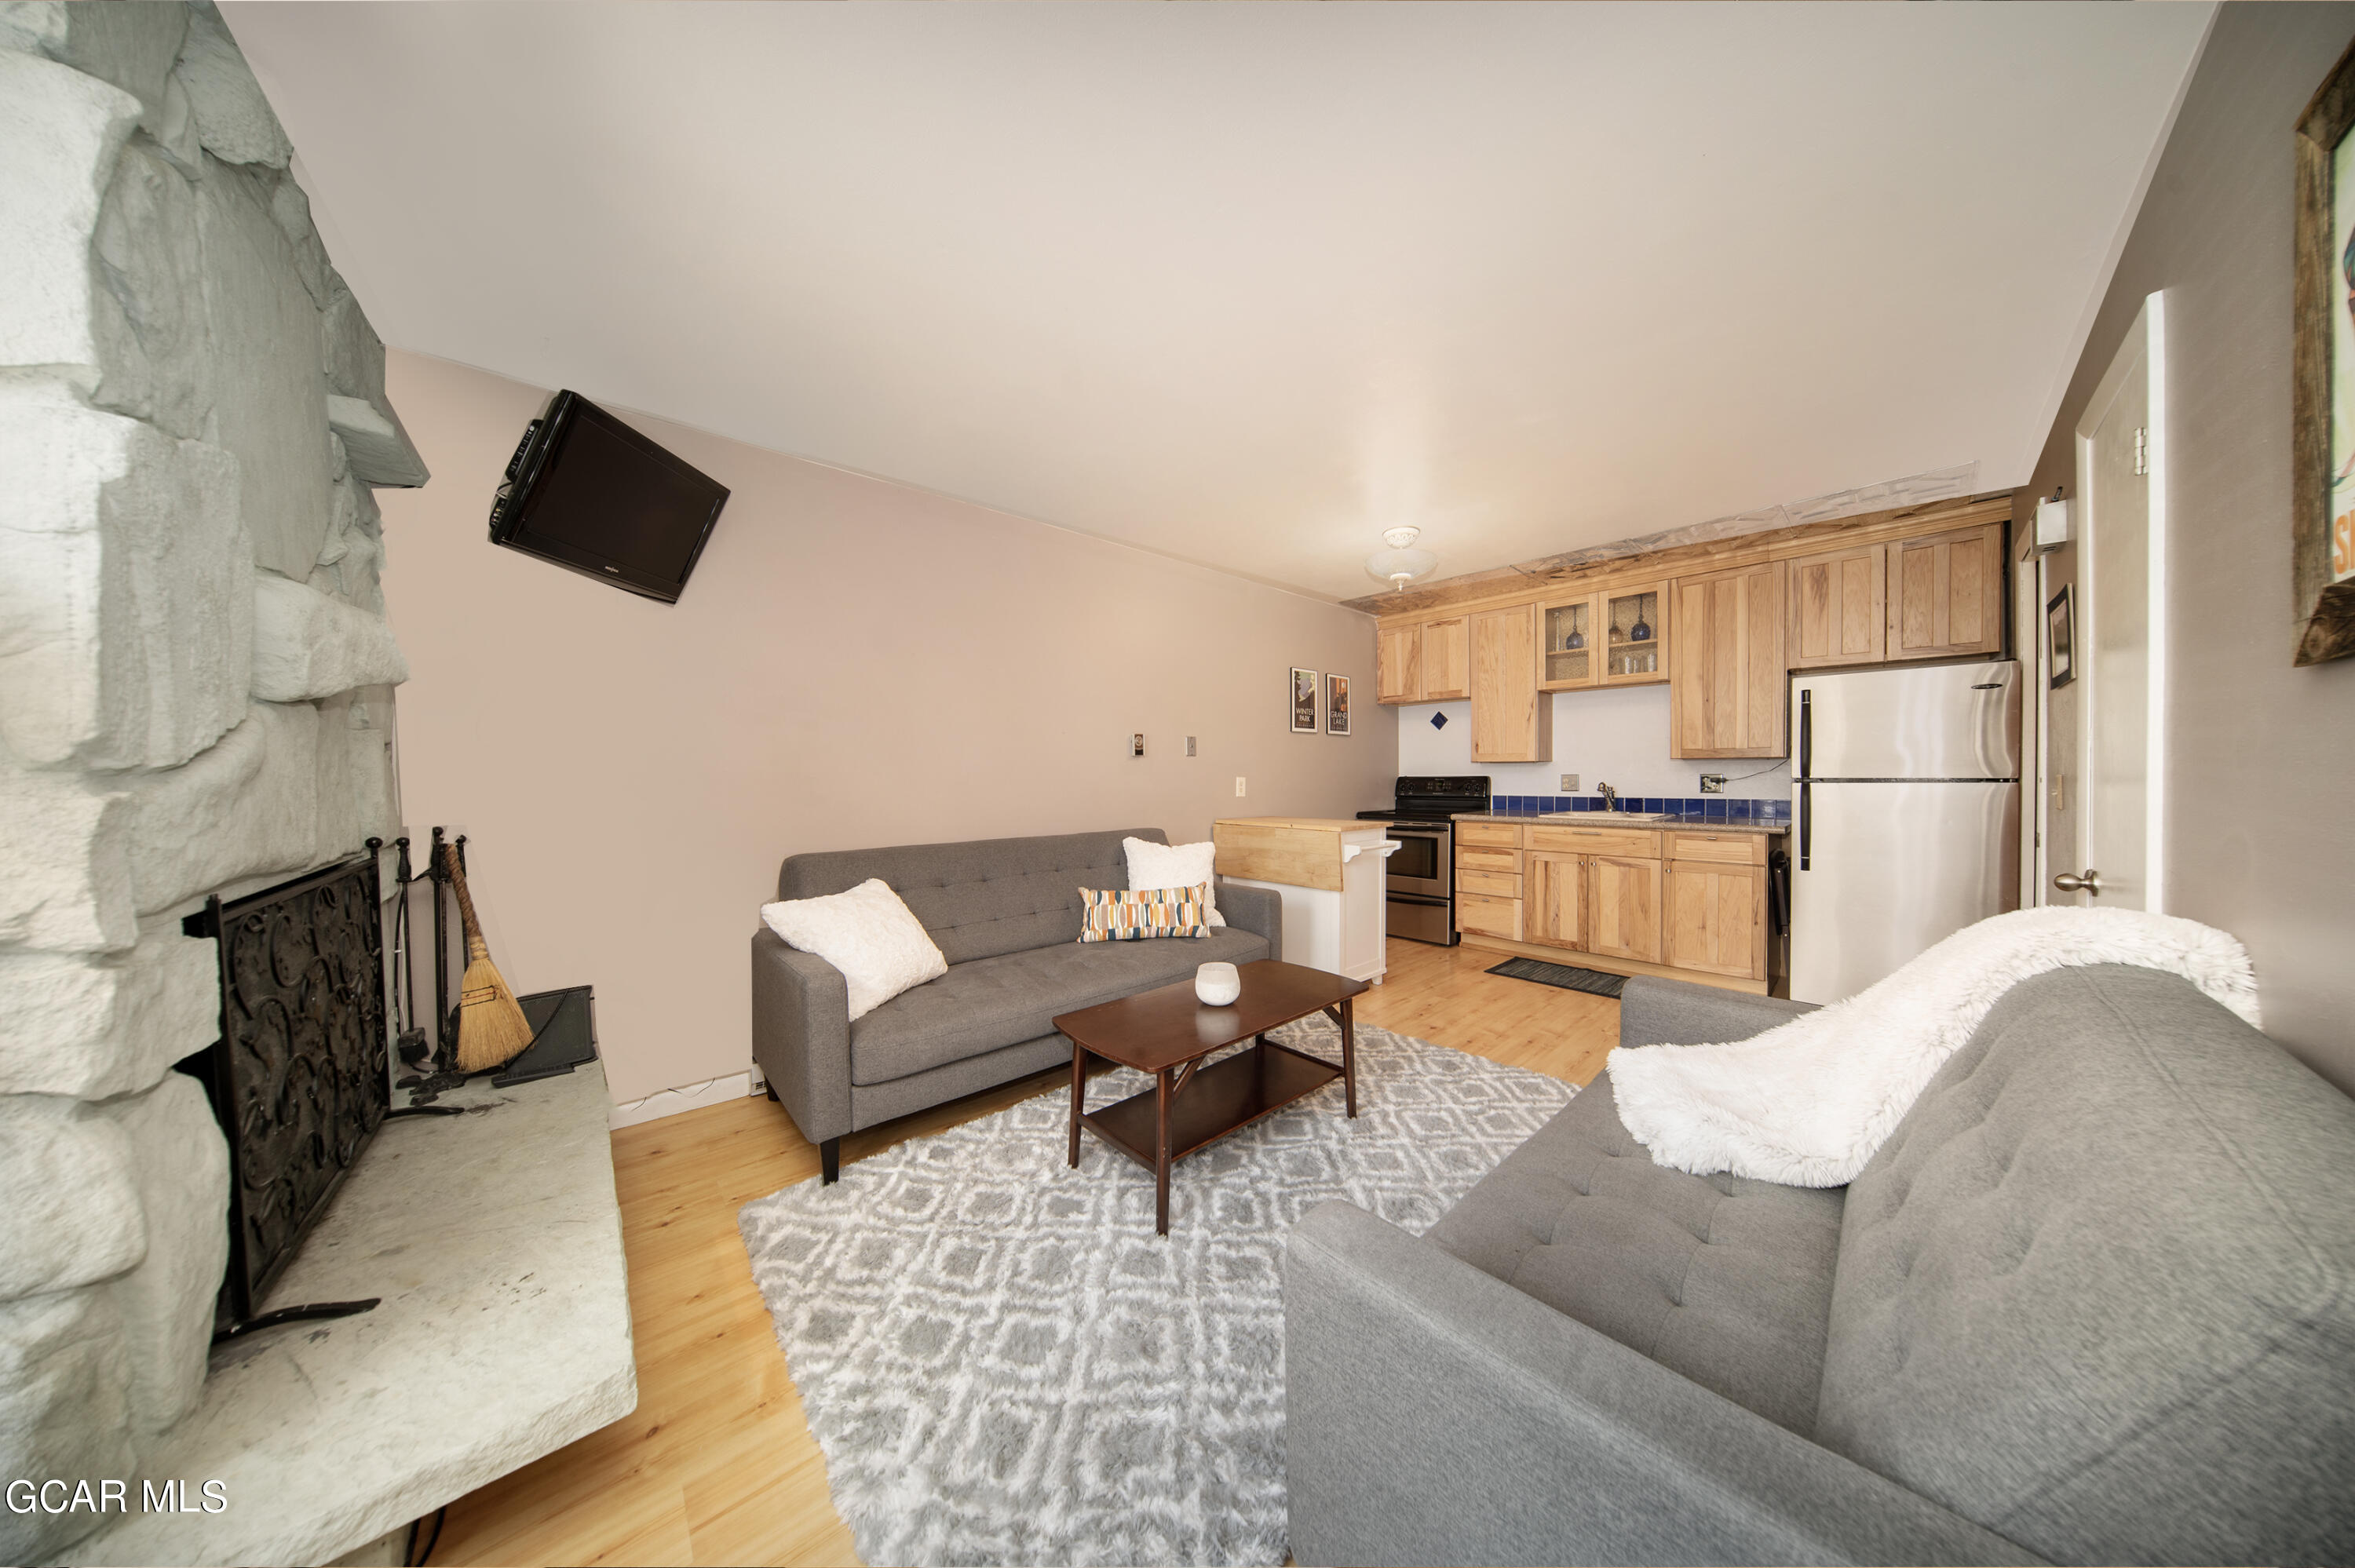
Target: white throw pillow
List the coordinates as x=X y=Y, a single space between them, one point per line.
x=880 y=948
x=1152 y=865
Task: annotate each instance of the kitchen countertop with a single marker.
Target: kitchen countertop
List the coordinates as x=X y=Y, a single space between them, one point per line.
x=1611 y=819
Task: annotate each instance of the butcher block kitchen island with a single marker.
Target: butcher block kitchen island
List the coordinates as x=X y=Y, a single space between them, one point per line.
x=1328 y=871
x=1623 y=894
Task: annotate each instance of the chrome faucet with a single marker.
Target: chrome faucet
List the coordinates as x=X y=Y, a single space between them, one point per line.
x=1610 y=797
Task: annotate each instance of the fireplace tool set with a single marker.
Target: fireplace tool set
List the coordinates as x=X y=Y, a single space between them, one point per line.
x=488 y=1027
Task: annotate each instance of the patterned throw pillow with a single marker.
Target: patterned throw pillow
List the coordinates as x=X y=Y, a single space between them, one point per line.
x=1118 y=915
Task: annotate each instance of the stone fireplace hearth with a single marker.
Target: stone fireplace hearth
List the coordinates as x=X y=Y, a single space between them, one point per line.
x=196 y=680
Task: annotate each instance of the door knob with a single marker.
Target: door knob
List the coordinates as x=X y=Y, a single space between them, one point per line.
x=2070 y=882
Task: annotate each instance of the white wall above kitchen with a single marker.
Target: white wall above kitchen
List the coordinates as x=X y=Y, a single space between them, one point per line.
x=1245 y=284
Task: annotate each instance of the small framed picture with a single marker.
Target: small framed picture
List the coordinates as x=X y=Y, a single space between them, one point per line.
x=2061 y=637
x=1304 y=702
x=1337 y=705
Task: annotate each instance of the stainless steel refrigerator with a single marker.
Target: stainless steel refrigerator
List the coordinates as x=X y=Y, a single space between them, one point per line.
x=1905 y=816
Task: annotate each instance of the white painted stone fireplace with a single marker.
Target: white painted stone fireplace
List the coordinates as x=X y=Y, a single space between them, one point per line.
x=196 y=680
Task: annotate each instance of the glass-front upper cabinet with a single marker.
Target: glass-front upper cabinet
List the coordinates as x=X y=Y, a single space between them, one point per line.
x=1570 y=656
x=1605 y=640
x=1633 y=630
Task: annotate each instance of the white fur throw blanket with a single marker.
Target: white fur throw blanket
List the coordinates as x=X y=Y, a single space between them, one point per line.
x=1807 y=1102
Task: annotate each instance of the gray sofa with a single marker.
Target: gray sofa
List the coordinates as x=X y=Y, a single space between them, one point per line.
x=2093 y=1302
x=1005 y=916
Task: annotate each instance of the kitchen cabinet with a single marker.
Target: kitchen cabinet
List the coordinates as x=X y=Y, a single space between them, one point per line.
x=1715 y=918
x=1616 y=638
x=1554 y=912
x=1512 y=721
x=1945 y=594
x=1839 y=607
x=1623 y=909
x=1726 y=681
x=1425 y=662
x=1687 y=901
x=1486 y=916
x=1397 y=665
x=1446 y=661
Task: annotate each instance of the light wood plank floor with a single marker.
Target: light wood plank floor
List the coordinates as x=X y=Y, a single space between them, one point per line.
x=717 y=1464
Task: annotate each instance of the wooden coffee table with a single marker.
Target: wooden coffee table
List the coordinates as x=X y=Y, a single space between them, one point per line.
x=1168 y=1032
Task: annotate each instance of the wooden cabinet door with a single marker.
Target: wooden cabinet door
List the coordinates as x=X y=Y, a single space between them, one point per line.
x=1621 y=615
x=1716 y=918
x=1554 y=900
x=1397 y=665
x=1488 y=917
x=1839 y=607
x=1945 y=594
x=1726 y=669
x=1446 y=661
x=1512 y=721
x=1622 y=907
x=1570 y=643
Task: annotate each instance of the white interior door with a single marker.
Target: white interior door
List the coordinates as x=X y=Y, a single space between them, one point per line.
x=2119 y=613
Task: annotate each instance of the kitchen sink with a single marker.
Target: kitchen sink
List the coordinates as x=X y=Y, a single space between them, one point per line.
x=1604 y=819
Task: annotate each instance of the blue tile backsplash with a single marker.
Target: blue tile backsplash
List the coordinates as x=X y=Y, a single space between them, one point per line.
x=1712 y=806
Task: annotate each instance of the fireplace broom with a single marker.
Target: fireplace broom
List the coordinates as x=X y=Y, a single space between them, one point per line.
x=492 y=1029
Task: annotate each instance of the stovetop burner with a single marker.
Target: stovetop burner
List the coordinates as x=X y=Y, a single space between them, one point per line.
x=1433 y=798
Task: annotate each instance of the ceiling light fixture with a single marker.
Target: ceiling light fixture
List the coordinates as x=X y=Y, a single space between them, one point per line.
x=1401 y=563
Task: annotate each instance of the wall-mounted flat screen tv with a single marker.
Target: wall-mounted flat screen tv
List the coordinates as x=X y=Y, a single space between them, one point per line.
x=585 y=490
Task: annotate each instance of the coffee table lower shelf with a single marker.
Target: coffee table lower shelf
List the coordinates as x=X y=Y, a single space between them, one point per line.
x=1219 y=1099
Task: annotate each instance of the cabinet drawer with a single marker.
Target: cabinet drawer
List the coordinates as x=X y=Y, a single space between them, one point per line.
x=1488 y=860
x=1507 y=835
x=1596 y=840
x=1497 y=884
x=1733 y=849
x=1488 y=917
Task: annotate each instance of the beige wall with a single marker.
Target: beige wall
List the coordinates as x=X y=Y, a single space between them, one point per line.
x=853 y=663
x=2259 y=839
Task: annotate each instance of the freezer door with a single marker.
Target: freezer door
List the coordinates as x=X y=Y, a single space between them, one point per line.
x=1883 y=871
x=1940 y=721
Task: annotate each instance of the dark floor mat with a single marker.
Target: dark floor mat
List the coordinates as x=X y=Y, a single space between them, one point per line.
x=1562 y=975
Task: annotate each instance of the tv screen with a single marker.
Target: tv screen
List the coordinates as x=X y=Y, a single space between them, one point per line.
x=587 y=491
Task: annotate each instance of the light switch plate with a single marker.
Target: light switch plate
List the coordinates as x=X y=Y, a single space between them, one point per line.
x=1569 y=783
x=1189 y=746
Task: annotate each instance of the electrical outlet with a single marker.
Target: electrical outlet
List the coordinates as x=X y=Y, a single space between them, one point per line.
x=1239 y=786
x=1189 y=746
x=1137 y=745
x=1569 y=783
x=1712 y=783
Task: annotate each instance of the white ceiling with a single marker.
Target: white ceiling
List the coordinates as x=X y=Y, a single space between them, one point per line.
x=1248 y=283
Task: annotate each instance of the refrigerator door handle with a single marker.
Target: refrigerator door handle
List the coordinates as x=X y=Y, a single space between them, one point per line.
x=1806 y=821
x=1806 y=732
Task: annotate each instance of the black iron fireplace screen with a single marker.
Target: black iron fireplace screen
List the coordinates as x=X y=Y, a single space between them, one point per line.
x=299 y=1076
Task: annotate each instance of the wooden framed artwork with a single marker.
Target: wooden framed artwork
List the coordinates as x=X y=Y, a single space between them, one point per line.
x=2061 y=637
x=2322 y=370
x=1304 y=701
x=1337 y=705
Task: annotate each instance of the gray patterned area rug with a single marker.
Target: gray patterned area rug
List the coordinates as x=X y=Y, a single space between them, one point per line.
x=1004 y=1364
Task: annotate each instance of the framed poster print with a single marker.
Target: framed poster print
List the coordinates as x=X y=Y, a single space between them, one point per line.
x=2322 y=372
x=1304 y=702
x=1337 y=705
